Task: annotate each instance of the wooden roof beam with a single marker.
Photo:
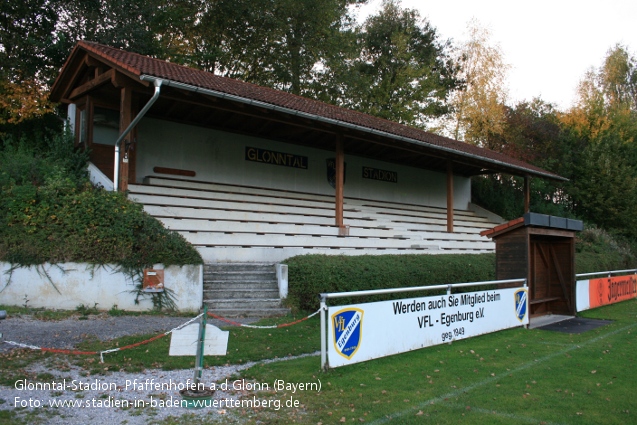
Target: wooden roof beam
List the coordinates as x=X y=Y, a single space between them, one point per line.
x=92 y=84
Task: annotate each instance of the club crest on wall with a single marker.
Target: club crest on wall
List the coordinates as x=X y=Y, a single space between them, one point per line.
x=331 y=171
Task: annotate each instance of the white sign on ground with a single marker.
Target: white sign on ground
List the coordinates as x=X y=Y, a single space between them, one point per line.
x=361 y=332
x=183 y=342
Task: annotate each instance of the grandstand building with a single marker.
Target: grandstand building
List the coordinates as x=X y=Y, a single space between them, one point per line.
x=252 y=174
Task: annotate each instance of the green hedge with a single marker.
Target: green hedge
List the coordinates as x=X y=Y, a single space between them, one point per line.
x=310 y=275
x=598 y=250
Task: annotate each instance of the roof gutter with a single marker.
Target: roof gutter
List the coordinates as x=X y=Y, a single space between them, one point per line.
x=158 y=83
x=269 y=106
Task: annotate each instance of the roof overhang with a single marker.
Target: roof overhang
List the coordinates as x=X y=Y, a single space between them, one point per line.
x=99 y=70
x=495 y=165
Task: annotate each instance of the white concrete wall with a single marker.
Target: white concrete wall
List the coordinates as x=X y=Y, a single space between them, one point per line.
x=80 y=284
x=220 y=157
x=98 y=178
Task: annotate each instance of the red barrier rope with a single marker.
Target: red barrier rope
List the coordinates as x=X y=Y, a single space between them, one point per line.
x=74 y=352
x=137 y=344
x=101 y=353
x=156 y=337
x=283 y=325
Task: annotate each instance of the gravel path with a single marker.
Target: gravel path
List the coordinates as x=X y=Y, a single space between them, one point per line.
x=68 y=333
x=146 y=397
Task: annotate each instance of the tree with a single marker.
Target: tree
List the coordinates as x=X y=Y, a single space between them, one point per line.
x=604 y=180
x=29 y=58
x=273 y=43
x=134 y=26
x=37 y=35
x=531 y=132
x=479 y=109
x=618 y=78
x=398 y=70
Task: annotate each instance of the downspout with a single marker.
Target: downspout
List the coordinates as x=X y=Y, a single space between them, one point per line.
x=158 y=82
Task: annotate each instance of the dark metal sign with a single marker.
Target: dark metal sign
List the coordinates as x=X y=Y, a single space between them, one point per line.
x=382 y=175
x=276 y=158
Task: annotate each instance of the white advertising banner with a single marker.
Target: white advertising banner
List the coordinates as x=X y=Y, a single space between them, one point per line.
x=361 y=332
x=582 y=297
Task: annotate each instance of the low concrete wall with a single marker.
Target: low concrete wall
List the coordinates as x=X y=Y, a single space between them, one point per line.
x=66 y=286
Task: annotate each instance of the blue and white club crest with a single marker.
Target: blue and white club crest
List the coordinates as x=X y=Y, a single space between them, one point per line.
x=521 y=304
x=348 y=329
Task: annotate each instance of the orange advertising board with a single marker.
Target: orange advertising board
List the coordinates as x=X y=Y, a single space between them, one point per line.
x=609 y=290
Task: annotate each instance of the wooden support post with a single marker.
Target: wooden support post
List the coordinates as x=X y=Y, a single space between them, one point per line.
x=527 y=193
x=125 y=118
x=338 y=203
x=449 y=197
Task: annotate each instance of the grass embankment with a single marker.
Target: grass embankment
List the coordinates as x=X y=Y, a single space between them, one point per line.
x=50 y=212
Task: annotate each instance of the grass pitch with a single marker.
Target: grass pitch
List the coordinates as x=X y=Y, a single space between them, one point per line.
x=514 y=376
x=517 y=376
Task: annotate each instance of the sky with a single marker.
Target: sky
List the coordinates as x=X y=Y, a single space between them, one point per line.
x=549 y=44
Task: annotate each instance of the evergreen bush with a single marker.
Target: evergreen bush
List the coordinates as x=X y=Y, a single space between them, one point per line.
x=598 y=250
x=50 y=212
x=311 y=275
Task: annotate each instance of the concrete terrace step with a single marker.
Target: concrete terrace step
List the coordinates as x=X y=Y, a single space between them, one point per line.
x=246 y=304
x=211 y=239
x=228 y=196
x=186 y=208
x=249 y=276
x=266 y=312
x=207 y=186
x=356 y=203
x=233 y=267
x=229 y=222
x=280 y=254
x=239 y=285
x=231 y=294
x=242 y=289
x=239 y=227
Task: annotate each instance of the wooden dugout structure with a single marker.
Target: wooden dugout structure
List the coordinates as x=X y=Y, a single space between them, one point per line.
x=542 y=249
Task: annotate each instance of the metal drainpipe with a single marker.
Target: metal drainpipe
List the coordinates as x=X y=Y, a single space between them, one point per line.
x=158 y=82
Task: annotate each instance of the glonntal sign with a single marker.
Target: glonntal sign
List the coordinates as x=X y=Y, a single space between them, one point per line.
x=368 y=331
x=275 y=158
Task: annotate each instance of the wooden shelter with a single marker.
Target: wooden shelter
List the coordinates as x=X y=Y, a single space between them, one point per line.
x=542 y=249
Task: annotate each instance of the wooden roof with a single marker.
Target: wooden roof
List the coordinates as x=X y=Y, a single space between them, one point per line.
x=202 y=98
x=535 y=220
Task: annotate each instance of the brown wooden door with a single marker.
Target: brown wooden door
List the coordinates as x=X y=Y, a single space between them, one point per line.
x=551 y=277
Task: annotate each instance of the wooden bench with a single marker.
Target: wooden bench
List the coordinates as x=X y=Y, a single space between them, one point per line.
x=544 y=300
